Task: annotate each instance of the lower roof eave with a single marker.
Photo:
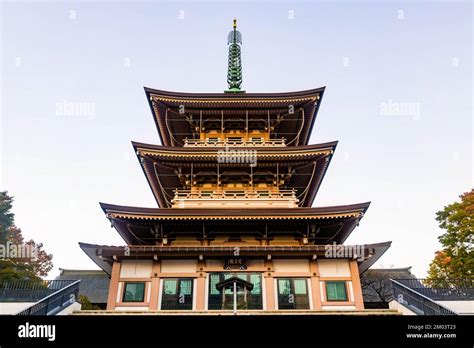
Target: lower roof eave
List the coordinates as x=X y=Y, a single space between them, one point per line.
x=104 y=255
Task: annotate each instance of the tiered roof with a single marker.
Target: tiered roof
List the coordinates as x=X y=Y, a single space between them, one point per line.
x=278 y=126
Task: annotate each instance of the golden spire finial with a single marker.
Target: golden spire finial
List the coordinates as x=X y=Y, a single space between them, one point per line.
x=235 y=23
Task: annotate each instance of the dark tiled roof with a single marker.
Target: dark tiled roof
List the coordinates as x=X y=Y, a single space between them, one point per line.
x=376 y=283
x=94 y=283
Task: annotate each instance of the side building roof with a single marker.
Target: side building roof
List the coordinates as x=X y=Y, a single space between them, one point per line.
x=94 y=283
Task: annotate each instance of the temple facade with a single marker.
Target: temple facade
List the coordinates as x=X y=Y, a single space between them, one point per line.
x=235 y=179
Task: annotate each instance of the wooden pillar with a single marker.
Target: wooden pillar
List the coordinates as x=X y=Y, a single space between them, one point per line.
x=269 y=286
x=155 y=285
x=315 y=285
x=357 y=289
x=201 y=287
x=113 y=288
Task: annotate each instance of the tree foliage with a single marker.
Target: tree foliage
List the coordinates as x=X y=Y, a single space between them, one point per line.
x=17 y=268
x=86 y=303
x=456 y=259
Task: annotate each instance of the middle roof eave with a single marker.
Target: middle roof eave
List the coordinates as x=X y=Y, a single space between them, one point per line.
x=195 y=151
x=117 y=211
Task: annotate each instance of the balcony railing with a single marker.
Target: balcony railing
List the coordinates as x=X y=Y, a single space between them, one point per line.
x=30 y=291
x=58 y=300
x=234 y=194
x=416 y=301
x=211 y=142
x=445 y=290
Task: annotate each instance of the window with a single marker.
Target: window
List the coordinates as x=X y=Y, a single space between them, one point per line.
x=177 y=293
x=134 y=292
x=220 y=299
x=292 y=293
x=336 y=291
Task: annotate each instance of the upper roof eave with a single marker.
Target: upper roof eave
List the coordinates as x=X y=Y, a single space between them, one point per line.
x=235 y=96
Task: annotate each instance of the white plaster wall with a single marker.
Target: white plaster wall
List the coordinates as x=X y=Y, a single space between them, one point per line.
x=14 y=307
x=214 y=263
x=136 y=269
x=255 y=263
x=131 y=309
x=339 y=308
x=178 y=266
x=334 y=268
x=282 y=265
x=460 y=307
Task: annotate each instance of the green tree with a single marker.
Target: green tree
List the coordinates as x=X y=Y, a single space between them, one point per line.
x=86 y=303
x=17 y=268
x=7 y=219
x=456 y=259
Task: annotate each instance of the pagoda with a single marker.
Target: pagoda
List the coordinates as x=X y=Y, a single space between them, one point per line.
x=235 y=179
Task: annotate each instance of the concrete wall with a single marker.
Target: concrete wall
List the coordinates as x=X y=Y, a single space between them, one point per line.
x=13 y=307
x=401 y=308
x=76 y=306
x=460 y=307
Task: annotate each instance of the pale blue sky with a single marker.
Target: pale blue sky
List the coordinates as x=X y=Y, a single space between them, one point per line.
x=409 y=164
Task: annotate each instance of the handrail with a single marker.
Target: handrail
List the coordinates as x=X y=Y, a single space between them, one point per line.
x=218 y=248
x=239 y=194
x=55 y=302
x=417 y=302
x=230 y=142
x=29 y=290
x=444 y=290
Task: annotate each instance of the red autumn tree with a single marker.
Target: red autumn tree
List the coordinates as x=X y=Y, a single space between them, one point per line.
x=13 y=268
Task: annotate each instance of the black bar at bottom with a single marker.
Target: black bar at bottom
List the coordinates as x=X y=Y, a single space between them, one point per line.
x=195 y=330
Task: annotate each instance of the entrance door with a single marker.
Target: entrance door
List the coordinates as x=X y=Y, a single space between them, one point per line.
x=224 y=298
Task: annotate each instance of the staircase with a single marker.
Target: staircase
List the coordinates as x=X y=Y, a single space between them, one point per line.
x=422 y=299
x=48 y=297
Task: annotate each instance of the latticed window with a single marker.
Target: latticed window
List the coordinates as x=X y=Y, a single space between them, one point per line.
x=336 y=291
x=177 y=294
x=134 y=292
x=293 y=293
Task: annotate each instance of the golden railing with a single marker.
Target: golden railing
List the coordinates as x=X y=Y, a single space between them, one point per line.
x=234 y=194
x=233 y=142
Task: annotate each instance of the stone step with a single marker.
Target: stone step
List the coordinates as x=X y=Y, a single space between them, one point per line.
x=242 y=312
